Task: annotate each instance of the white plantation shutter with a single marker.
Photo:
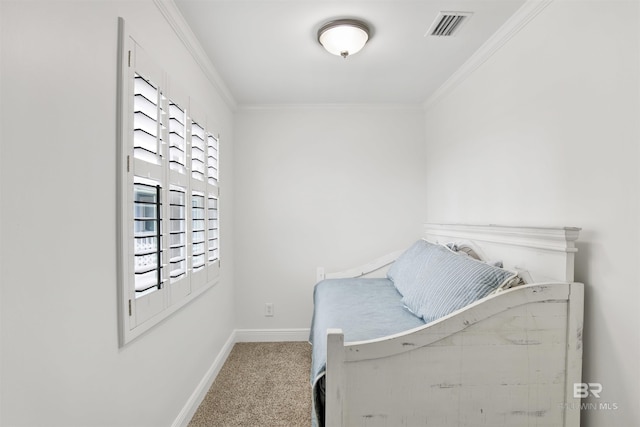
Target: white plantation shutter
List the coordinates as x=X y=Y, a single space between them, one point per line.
x=168 y=238
x=145 y=193
x=177 y=178
x=212 y=181
x=147 y=186
x=213 y=194
x=198 y=211
x=147 y=227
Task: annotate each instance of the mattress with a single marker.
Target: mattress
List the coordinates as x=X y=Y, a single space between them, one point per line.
x=364 y=309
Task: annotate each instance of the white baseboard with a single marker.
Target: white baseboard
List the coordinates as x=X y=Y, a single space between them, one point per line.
x=196 y=398
x=272 y=335
x=237 y=335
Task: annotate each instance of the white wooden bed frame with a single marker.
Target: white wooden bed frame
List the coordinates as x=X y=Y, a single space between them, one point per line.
x=508 y=360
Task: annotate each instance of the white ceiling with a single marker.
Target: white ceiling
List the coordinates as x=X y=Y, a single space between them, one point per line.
x=266 y=51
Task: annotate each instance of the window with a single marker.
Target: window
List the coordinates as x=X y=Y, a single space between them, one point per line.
x=168 y=195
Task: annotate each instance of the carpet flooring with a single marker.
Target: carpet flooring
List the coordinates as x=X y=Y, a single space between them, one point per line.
x=260 y=384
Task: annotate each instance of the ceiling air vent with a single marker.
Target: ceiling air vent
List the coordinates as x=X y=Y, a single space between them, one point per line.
x=448 y=23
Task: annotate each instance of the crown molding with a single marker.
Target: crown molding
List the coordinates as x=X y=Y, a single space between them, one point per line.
x=177 y=22
x=331 y=106
x=529 y=10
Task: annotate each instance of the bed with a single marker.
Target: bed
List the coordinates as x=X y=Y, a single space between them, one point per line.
x=509 y=358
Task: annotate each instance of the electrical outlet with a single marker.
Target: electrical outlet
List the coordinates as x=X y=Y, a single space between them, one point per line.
x=268 y=309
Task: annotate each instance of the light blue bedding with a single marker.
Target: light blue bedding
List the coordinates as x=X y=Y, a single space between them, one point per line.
x=364 y=309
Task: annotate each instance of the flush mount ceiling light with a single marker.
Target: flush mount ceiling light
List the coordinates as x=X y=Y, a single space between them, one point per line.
x=343 y=37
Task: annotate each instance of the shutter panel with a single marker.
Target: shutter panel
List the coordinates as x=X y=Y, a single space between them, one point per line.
x=197 y=231
x=212 y=159
x=177 y=145
x=213 y=232
x=147 y=205
x=178 y=233
x=197 y=151
x=145 y=119
x=147 y=235
x=146 y=192
x=213 y=219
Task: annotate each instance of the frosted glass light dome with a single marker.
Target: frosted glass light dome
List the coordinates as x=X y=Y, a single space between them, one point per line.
x=343 y=37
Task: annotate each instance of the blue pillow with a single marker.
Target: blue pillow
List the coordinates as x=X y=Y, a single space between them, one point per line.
x=445 y=281
x=405 y=269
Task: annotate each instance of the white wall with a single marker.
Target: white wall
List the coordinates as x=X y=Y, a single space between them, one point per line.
x=61 y=365
x=1 y=162
x=546 y=133
x=320 y=186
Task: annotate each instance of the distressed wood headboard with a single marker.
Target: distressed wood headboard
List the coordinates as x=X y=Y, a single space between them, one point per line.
x=546 y=253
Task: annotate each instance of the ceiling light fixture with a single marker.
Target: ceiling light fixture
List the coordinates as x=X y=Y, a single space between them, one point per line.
x=343 y=37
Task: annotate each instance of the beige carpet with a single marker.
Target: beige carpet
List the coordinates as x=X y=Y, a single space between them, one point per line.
x=260 y=384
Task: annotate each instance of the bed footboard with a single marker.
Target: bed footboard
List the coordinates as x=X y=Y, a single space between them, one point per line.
x=502 y=361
